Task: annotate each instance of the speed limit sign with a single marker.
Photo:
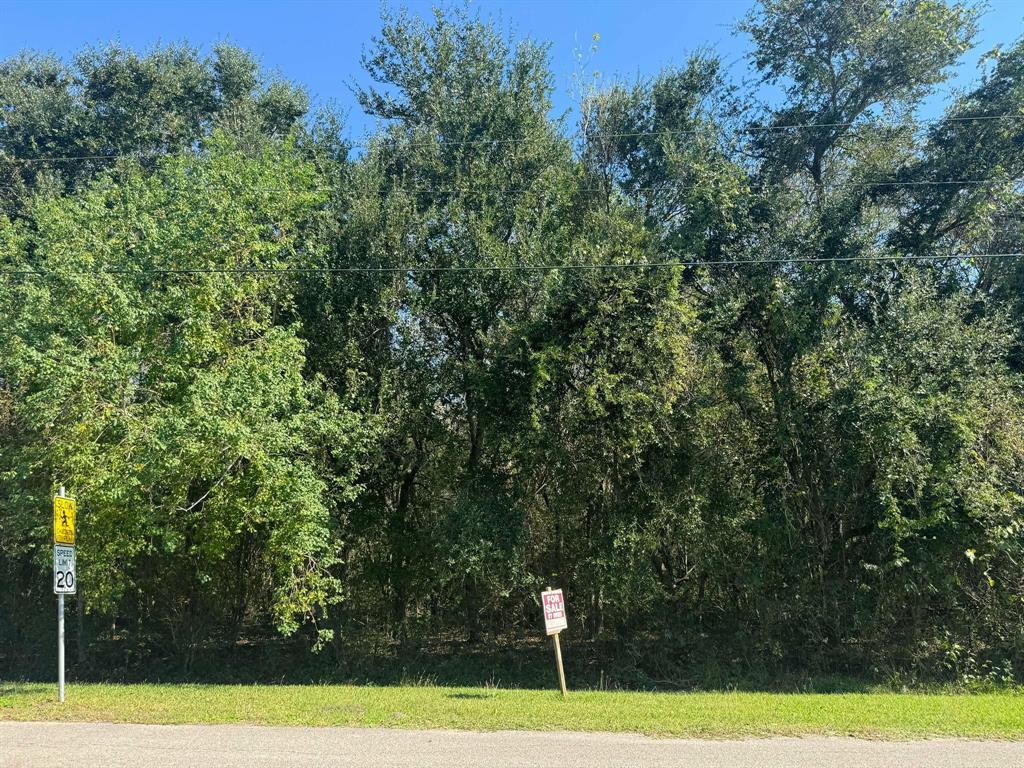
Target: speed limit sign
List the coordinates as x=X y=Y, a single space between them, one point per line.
x=63 y=570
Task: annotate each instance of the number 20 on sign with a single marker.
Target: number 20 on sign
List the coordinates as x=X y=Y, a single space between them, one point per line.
x=63 y=570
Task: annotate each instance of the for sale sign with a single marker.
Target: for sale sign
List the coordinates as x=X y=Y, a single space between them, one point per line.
x=554 y=611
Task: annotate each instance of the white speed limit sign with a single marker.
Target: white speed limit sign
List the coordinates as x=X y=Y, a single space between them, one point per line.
x=63 y=570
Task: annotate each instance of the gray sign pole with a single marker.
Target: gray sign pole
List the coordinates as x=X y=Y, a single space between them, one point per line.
x=60 y=638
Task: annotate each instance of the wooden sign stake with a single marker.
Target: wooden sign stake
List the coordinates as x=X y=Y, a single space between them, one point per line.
x=558 y=658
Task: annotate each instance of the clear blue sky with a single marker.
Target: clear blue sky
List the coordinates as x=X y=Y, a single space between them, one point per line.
x=317 y=44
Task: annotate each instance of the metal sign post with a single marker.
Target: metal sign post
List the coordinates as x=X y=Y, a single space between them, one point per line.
x=64 y=577
x=554 y=622
x=60 y=647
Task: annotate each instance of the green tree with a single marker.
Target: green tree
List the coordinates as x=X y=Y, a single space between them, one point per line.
x=722 y=371
x=65 y=122
x=167 y=391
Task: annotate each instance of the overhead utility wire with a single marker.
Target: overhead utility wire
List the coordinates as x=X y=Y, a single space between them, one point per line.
x=506 y=267
x=624 y=135
x=668 y=186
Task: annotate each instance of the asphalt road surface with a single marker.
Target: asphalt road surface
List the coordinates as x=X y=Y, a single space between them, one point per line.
x=82 y=745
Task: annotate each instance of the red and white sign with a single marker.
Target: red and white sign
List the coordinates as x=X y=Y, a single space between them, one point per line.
x=554 y=611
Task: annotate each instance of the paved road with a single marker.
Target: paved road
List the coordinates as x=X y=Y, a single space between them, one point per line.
x=82 y=745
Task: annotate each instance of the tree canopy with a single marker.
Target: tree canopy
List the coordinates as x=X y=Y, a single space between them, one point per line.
x=747 y=381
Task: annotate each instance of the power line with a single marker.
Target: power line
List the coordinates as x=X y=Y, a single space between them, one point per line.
x=667 y=187
x=507 y=267
x=617 y=135
x=808 y=126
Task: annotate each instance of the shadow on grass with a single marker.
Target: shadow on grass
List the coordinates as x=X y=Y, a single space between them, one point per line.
x=452 y=662
x=22 y=688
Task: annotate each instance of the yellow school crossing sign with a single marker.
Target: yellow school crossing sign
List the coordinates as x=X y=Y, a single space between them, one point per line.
x=63 y=521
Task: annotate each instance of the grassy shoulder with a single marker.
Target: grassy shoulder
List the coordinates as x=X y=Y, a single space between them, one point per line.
x=876 y=715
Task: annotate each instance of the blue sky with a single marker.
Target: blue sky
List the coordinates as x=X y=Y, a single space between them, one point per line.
x=318 y=44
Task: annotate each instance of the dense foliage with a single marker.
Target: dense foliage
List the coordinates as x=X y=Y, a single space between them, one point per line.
x=711 y=367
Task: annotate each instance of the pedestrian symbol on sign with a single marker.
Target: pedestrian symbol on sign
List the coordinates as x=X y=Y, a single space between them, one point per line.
x=64 y=521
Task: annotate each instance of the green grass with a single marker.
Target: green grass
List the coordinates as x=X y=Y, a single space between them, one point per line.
x=876 y=715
